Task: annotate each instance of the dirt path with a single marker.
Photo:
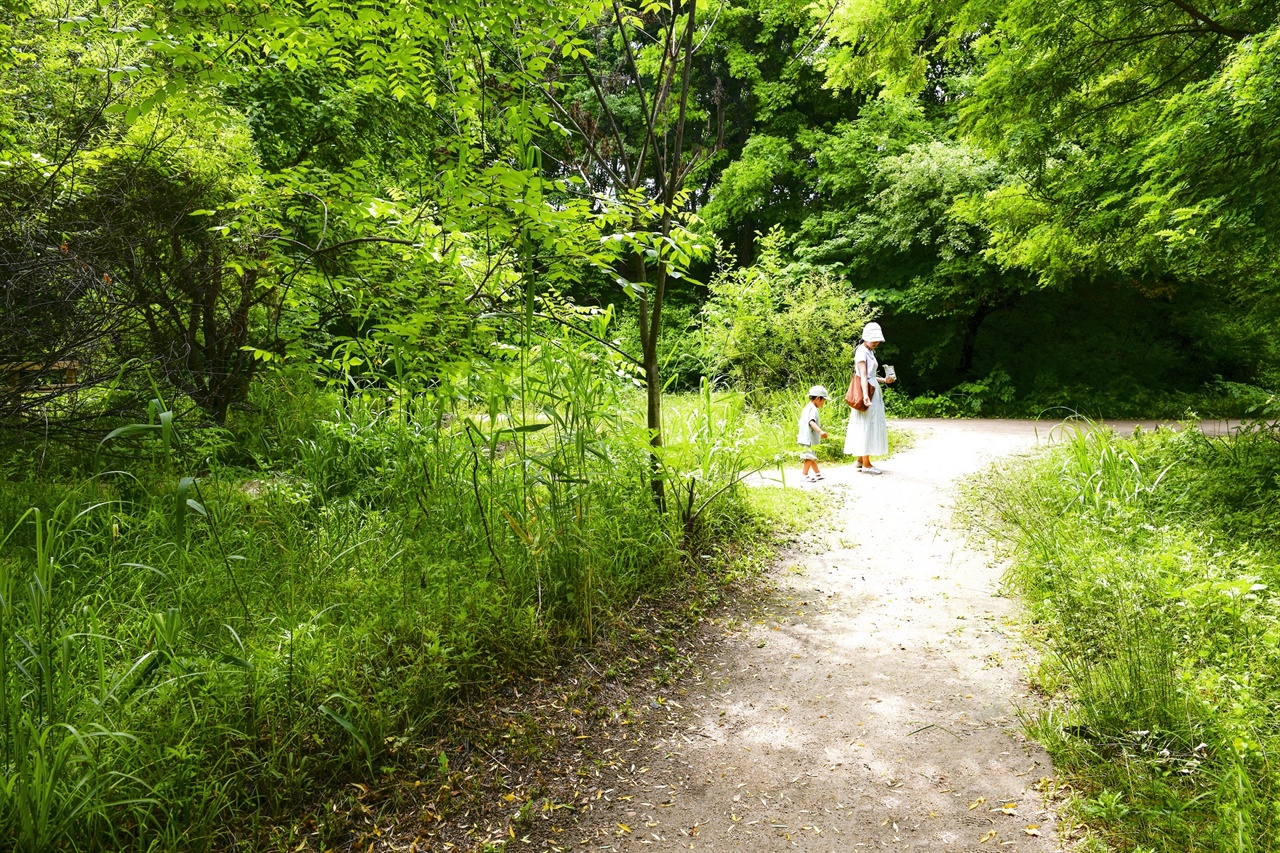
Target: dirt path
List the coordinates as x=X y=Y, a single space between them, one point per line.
x=875 y=707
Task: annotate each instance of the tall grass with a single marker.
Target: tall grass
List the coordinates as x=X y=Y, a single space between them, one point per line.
x=192 y=643
x=1149 y=564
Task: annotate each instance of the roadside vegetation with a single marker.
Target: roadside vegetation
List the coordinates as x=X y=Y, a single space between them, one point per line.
x=1151 y=564
x=199 y=627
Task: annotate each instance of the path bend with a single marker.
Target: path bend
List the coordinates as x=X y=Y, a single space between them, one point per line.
x=874 y=706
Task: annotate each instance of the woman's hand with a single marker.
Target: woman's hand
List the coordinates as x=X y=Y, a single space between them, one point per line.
x=889 y=380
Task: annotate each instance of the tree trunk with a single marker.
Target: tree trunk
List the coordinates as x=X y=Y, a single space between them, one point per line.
x=969 y=341
x=747 y=242
x=653 y=418
x=659 y=161
x=671 y=180
x=649 y=332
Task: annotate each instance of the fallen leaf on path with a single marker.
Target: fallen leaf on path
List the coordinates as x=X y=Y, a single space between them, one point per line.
x=977 y=803
x=1007 y=808
x=990 y=835
x=1032 y=829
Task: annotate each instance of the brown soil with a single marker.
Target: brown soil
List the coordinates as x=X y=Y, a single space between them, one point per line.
x=875 y=707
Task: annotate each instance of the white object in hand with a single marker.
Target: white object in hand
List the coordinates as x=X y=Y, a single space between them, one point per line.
x=889 y=373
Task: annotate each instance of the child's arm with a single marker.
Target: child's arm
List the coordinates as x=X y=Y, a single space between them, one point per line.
x=814 y=426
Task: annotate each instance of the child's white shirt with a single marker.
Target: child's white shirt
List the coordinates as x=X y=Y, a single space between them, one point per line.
x=806 y=434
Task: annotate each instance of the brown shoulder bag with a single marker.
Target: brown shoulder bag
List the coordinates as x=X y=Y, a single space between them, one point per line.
x=854 y=397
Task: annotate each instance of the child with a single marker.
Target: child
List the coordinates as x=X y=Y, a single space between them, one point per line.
x=811 y=433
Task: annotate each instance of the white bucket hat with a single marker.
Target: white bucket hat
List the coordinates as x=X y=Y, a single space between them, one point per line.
x=818 y=391
x=871 y=333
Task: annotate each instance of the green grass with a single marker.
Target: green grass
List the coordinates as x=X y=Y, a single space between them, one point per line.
x=772 y=416
x=1150 y=565
x=201 y=630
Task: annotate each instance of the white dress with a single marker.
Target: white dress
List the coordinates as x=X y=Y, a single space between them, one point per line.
x=868 y=434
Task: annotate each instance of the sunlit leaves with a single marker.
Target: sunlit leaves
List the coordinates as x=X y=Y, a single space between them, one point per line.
x=1138 y=130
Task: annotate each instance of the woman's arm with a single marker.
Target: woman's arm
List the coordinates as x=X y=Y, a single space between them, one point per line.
x=861 y=367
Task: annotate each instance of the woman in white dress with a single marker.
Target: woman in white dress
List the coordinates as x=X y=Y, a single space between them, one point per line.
x=868 y=433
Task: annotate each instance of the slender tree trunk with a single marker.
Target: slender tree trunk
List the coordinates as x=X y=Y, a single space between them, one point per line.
x=969 y=341
x=649 y=333
x=659 y=161
x=747 y=242
x=668 y=179
x=653 y=416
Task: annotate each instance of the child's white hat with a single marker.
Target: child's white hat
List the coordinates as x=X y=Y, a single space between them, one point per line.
x=818 y=391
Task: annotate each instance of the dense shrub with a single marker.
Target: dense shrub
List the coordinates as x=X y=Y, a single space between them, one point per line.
x=773 y=326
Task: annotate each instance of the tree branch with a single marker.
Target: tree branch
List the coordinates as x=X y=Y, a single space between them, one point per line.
x=650 y=138
x=1210 y=23
x=672 y=187
x=613 y=123
x=631 y=359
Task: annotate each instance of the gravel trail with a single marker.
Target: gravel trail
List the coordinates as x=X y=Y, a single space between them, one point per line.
x=874 y=706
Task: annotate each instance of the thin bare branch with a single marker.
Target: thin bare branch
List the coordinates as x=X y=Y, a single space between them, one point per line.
x=650 y=117
x=608 y=111
x=1210 y=23
x=711 y=28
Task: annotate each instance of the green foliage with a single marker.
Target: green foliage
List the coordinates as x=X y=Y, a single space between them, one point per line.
x=681 y=356
x=183 y=654
x=1149 y=565
x=771 y=326
x=1132 y=133
x=749 y=185
x=1001 y=161
x=991 y=395
x=314 y=258
x=302 y=192
x=890 y=208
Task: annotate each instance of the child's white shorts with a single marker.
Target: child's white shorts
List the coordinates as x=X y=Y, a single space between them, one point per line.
x=808 y=454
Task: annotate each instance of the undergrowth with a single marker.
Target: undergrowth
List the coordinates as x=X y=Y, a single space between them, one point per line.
x=525 y=762
x=994 y=396
x=199 y=631
x=1150 y=566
